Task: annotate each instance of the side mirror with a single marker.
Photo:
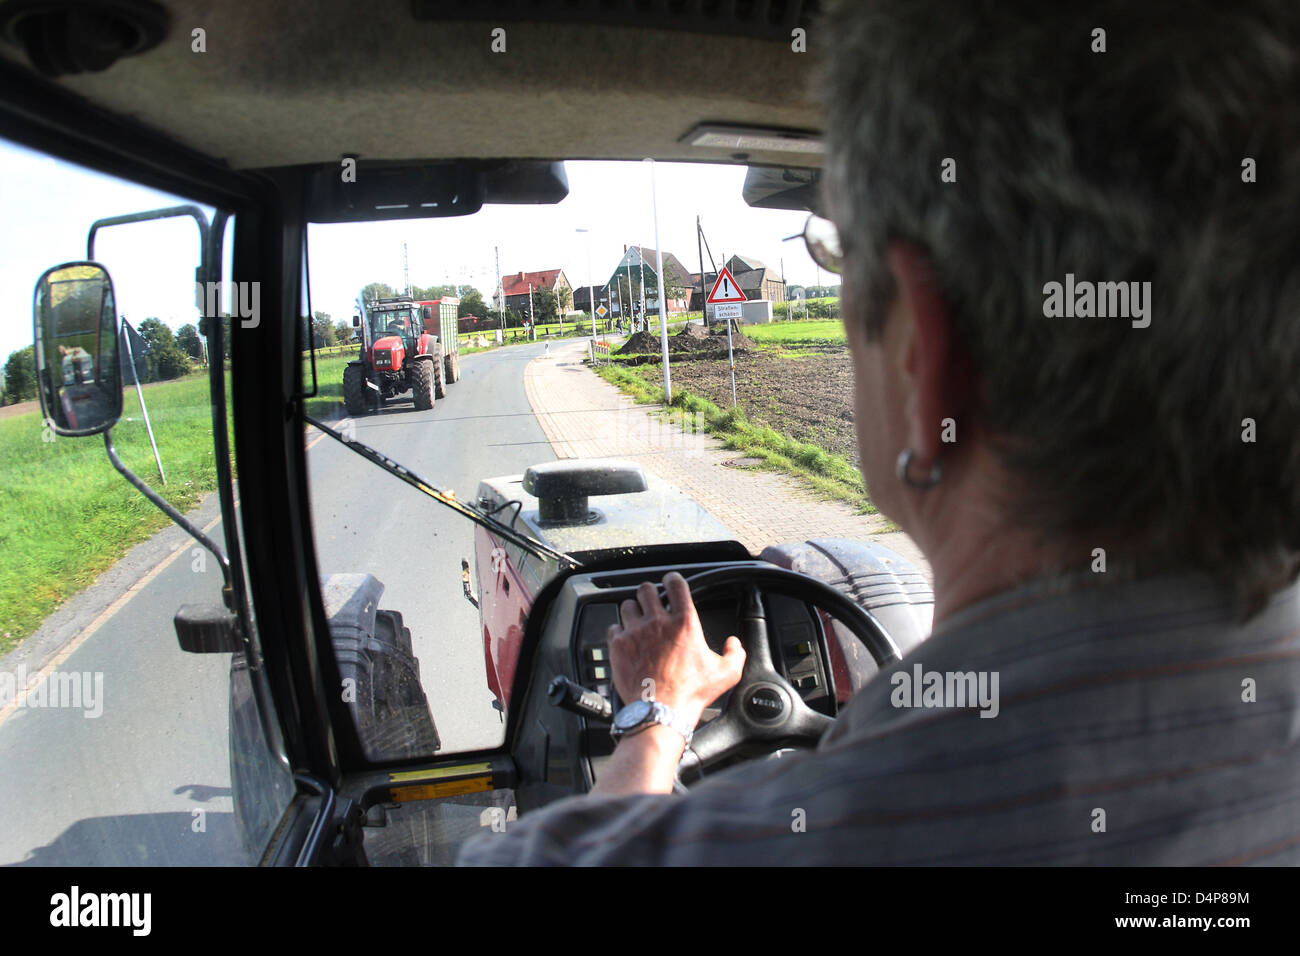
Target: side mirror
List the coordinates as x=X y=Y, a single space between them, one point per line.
x=78 y=376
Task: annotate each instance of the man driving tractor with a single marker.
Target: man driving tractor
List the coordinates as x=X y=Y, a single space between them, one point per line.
x=1108 y=492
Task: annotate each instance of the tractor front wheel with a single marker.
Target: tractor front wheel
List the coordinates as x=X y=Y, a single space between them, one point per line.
x=422 y=387
x=354 y=389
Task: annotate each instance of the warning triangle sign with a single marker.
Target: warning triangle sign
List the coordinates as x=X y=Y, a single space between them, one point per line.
x=725 y=289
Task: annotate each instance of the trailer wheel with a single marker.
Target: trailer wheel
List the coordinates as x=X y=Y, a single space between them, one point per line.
x=439 y=380
x=422 y=387
x=453 y=368
x=354 y=389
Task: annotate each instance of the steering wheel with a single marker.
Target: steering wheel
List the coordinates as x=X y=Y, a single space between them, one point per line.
x=764 y=711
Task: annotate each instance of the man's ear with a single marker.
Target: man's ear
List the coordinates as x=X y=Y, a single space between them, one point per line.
x=931 y=360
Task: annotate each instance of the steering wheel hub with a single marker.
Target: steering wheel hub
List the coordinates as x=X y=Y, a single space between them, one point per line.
x=766 y=704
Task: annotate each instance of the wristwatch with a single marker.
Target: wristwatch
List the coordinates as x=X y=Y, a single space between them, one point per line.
x=640 y=714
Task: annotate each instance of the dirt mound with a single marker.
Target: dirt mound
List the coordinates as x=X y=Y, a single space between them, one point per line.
x=690 y=338
x=639 y=343
x=718 y=335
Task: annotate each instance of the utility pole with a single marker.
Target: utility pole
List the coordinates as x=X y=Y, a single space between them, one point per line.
x=406 y=272
x=699 y=245
x=500 y=294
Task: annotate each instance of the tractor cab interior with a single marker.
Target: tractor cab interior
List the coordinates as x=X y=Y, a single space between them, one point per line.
x=200 y=104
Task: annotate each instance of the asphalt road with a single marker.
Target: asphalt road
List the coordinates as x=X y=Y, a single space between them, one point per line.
x=147 y=780
x=366 y=520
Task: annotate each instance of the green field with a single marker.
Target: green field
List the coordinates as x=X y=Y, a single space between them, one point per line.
x=802 y=332
x=66 y=515
x=825 y=308
x=328 y=401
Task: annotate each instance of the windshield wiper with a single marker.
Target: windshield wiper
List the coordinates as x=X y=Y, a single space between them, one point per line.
x=529 y=544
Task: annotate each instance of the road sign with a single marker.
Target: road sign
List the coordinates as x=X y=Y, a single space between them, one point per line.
x=601 y=311
x=726 y=310
x=725 y=289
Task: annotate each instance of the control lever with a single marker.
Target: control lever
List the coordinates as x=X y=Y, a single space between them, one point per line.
x=577 y=699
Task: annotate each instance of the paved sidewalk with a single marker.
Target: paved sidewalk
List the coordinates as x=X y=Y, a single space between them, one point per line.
x=585 y=417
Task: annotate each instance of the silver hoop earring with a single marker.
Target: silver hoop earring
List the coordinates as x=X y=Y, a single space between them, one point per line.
x=904 y=470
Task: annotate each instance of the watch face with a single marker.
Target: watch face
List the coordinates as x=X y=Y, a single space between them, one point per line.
x=633 y=714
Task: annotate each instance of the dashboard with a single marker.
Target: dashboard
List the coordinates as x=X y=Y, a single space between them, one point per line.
x=798 y=640
x=560 y=751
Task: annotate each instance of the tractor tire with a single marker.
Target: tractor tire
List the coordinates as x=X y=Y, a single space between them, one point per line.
x=439 y=379
x=423 y=389
x=354 y=389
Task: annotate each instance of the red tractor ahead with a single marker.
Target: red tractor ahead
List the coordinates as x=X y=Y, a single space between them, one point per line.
x=405 y=346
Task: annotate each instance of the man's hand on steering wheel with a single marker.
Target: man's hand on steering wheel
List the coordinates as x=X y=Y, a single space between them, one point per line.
x=661 y=652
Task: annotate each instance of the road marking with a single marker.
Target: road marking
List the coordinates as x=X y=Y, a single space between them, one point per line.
x=70 y=648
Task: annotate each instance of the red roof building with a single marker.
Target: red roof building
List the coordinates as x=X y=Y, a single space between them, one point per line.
x=515 y=286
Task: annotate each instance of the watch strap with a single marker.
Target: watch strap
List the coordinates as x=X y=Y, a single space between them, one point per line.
x=659 y=713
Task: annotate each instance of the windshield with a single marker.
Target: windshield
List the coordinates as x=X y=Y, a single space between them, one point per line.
x=510 y=418
x=389 y=321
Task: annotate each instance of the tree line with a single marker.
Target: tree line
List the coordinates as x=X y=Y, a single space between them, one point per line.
x=167 y=355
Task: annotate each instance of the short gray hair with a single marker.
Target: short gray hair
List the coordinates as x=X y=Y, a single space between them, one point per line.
x=1125 y=165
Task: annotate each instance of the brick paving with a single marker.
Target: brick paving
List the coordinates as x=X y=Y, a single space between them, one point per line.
x=584 y=416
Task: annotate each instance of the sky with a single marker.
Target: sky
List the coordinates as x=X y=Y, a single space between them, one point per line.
x=47 y=206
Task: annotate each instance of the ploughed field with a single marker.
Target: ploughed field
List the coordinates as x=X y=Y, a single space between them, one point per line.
x=793 y=377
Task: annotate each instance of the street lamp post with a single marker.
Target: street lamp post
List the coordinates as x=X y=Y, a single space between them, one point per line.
x=659 y=271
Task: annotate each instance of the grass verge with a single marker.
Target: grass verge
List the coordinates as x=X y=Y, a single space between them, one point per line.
x=66 y=515
x=828 y=474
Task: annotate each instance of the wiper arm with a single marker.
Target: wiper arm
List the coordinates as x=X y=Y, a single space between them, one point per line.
x=529 y=544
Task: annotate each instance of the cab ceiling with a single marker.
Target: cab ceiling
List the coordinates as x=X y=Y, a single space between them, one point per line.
x=295 y=82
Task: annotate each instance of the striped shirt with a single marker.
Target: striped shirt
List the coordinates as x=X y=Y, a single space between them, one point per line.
x=1136 y=724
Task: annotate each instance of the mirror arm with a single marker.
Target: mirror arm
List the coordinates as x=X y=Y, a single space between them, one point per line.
x=227 y=593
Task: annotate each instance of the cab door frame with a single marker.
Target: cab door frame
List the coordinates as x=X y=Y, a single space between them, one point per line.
x=319 y=739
